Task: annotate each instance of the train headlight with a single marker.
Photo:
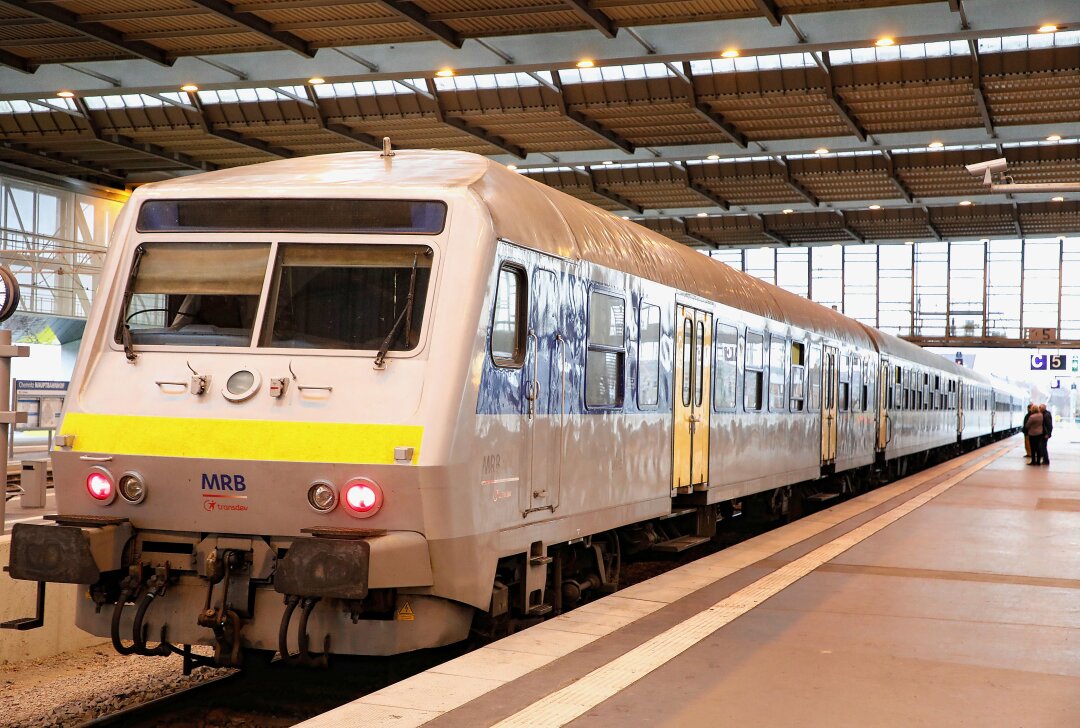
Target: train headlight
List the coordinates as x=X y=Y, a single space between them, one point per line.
x=362 y=497
x=321 y=496
x=132 y=488
x=241 y=385
x=99 y=484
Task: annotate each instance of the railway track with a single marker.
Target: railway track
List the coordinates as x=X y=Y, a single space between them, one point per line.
x=154 y=710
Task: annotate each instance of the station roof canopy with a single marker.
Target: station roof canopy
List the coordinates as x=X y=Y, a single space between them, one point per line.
x=717 y=122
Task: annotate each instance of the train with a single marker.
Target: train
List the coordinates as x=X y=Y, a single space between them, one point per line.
x=368 y=403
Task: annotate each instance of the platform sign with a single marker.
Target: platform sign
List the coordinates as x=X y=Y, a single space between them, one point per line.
x=42 y=401
x=1038 y=362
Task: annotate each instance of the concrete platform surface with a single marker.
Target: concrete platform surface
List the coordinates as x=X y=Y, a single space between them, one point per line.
x=949 y=598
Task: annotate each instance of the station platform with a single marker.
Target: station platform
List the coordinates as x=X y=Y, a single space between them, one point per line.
x=951 y=597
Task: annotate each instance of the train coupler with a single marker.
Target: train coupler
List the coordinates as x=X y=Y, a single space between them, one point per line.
x=225 y=621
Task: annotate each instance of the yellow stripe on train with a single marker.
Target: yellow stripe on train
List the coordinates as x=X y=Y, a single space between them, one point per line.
x=306 y=442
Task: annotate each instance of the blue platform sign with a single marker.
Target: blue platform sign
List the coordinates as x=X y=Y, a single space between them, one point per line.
x=1038 y=362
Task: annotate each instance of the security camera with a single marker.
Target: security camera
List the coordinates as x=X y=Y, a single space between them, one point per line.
x=986 y=169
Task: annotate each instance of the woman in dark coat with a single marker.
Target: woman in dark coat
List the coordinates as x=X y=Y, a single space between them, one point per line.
x=1034 y=430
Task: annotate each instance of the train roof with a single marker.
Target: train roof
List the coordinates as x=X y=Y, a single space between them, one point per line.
x=587 y=233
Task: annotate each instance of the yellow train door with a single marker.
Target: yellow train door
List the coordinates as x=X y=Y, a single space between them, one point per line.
x=830 y=379
x=693 y=385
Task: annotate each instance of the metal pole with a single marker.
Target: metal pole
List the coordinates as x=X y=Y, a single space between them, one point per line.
x=7 y=351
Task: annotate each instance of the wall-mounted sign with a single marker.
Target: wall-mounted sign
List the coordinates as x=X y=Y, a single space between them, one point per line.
x=42 y=401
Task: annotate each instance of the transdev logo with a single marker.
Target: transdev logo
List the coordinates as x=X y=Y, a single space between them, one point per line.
x=218 y=487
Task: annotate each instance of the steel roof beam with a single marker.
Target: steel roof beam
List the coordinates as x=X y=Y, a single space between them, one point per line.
x=594 y=17
x=418 y=17
x=794 y=183
x=931 y=226
x=99 y=173
x=846 y=227
x=231 y=136
x=770 y=234
x=364 y=140
x=978 y=91
x=697 y=236
x=255 y=24
x=700 y=189
x=97 y=31
x=9 y=59
x=147 y=148
x=704 y=111
x=613 y=138
x=771 y=12
x=1017 y=227
x=608 y=194
x=475 y=131
x=890 y=167
x=838 y=104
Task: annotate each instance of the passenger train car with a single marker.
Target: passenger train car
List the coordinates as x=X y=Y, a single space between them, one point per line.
x=362 y=404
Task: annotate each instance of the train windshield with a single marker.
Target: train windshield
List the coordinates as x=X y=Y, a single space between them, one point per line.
x=347 y=297
x=194 y=294
x=321 y=296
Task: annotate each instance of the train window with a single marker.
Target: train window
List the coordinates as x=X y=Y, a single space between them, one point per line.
x=302 y=214
x=798 y=376
x=866 y=378
x=727 y=375
x=844 y=400
x=606 y=358
x=777 y=374
x=699 y=364
x=193 y=294
x=754 y=371
x=368 y=297
x=813 y=375
x=687 y=361
x=856 y=383
x=508 y=320
x=648 y=355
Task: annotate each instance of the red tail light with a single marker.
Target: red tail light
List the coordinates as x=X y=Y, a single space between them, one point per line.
x=99 y=485
x=362 y=497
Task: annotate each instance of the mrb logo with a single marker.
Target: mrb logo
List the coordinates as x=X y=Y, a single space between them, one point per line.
x=223 y=482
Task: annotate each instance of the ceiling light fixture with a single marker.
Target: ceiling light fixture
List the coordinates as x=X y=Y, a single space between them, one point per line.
x=65 y=94
x=713 y=156
x=875 y=207
x=586 y=63
x=909 y=242
x=788 y=211
x=966 y=203
x=730 y=53
x=884 y=41
x=189 y=88
x=1054 y=138
x=936 y=145
x=316 y=80
x=1048 y=28
x=608 y=163
x=445 y=72
x=511 y=167
x=703 y=214
x=821 y=150
x=1057 y=199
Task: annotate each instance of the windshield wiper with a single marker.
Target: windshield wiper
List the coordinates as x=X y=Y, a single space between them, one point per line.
x=125 y=329
x=404 y=316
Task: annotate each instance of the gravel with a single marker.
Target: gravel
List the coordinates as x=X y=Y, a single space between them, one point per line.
x=76 y=687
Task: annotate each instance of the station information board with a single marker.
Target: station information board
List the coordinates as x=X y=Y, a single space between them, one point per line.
x=42 y=401
x=1054 y=363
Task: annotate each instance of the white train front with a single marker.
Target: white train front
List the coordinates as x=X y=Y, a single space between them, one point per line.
x=360 y=404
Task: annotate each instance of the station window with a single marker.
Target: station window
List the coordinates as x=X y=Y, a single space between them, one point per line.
x=798 y=376
x=777 y=371
x=605 y=361
x=727 y=374
x=754 y=371
x=508 y=320
x=648 y=355
x=813 y=374
x=844 y=401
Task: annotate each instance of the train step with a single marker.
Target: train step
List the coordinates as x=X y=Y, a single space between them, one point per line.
x=822 y=497
x=680 y=544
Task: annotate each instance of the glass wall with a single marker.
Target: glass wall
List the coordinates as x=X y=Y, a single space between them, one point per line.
x=54 y=240
x=956 y=290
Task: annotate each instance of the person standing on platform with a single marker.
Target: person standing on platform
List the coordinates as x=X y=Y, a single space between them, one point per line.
x=1027 y=440
x=1034 y=431
x=1048 y=429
